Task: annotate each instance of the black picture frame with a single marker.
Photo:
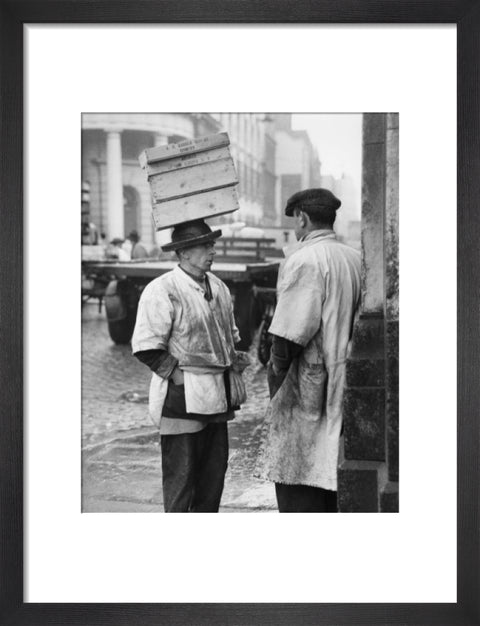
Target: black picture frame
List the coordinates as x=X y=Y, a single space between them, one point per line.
x=13 y=15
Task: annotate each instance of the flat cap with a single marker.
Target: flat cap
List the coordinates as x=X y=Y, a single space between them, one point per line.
x=315 y=202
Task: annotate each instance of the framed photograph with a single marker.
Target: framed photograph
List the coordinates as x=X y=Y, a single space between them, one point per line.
x=67 y=66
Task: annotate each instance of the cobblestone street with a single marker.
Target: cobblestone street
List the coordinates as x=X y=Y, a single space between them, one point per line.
x=121 y=468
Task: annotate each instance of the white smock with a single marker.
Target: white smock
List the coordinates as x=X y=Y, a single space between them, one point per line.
x=318 y=294
x=173 y=315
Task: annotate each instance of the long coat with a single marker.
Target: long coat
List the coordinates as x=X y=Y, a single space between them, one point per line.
x=318 y=294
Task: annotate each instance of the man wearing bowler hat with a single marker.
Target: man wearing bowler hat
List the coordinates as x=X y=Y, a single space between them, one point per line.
x=185 y=332
x=318 y=292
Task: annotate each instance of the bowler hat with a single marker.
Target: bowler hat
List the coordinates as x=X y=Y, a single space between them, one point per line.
x=193 y=233
x=315 y=202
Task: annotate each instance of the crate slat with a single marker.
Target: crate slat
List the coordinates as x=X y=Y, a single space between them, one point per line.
x=198 y=179
x=189 y=160
x=198 y=206
x=188 y=146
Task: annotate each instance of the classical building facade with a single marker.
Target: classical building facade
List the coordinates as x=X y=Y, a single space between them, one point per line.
x=247 y=136
x=271 y=161
x=111 y=143
x=296 y=164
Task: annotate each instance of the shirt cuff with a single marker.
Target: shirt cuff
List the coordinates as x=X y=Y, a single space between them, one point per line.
x=166 y=367
x=159 y=361
x=283 y=352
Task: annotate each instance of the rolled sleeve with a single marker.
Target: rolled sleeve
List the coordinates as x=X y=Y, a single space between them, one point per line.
x=159 y=361
x=166 y=367
x=300 y=297
x=283 y=352
x=154 y=321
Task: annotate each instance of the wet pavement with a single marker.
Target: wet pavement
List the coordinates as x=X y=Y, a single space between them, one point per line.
x=121 y=465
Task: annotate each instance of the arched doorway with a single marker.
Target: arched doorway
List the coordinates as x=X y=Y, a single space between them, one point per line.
x=131 y=206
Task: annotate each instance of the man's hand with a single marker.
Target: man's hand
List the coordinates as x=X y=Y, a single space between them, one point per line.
x=275 y=370
x=275 y=378
x=241 y=361
x=177 y=376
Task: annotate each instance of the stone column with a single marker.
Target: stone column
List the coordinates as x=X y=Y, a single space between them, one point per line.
x=160 y=140
x=114 y=185
x=389 y=496
x=368 y=470
x=365 y=394
x=373 y=208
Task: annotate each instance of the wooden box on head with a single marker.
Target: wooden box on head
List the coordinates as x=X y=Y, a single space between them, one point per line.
x=192 y=179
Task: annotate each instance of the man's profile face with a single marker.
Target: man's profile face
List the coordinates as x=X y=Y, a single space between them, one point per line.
x=299 y=225
x=201 y=257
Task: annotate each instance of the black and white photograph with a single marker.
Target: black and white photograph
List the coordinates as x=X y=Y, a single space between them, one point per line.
x=217 y=329
x=240 y=312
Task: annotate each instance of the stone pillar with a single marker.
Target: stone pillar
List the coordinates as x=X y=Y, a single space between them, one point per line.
x=373 y=208
x=391 y=299
x=114 y=185
x=160 y=140
x=368 y=469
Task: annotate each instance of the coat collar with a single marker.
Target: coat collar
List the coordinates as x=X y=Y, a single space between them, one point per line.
x=311 y=238
x=187 y=279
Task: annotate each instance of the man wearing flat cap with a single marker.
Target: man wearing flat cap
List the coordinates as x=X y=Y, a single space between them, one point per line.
x=185 y=332
x=318 y=292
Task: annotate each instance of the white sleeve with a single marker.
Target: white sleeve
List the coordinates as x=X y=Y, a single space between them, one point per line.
x=154 y=319
x=235 y=331
x=300 y=297
x=227 y=299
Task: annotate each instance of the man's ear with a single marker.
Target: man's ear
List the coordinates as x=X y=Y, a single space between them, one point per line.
x=303 y=219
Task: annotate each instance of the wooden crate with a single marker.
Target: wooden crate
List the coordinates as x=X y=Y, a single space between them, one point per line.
x=190 y=180
x=187 y=160
x=196 y=206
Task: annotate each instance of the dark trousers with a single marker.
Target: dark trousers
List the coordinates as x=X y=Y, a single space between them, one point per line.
x=194 y=466
x=303 y=499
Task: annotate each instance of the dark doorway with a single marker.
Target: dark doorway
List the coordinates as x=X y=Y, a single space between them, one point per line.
x=131 y=204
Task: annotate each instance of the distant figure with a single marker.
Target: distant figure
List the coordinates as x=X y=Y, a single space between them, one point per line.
x=318 y=294
x=138 y=250
x=89 y=234
x=103 y=243
x=127 y=246
x=115 y=250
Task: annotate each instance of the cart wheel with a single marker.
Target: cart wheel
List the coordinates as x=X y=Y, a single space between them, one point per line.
x=264 y=341
x=121 y=307
x=121 y=331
